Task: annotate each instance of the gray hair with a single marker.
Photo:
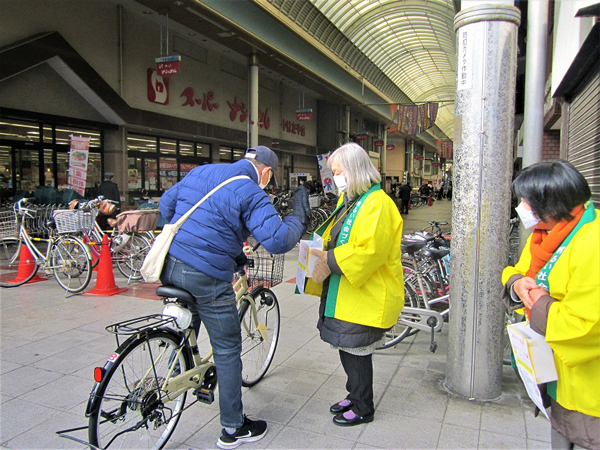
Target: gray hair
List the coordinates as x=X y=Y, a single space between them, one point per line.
x=360 y=172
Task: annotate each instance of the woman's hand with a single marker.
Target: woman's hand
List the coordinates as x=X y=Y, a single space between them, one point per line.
x=522 y=288
x=535 y=295
x=321 y=269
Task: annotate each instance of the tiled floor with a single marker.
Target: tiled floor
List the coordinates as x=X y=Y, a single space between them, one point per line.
x=50 y=345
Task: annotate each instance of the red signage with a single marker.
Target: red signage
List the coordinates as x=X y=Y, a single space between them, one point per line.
x=390 y=147
x=378 y=143
x=303 y=115
x=362 y=137
x=167 y=69
x=158 y=88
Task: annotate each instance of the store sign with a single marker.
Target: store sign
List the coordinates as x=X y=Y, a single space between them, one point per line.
x=362 y=136
x=168 y=66
x=158 y=88
x=419 y=157
x=378 y=143
x=390 y=147
x=303 y=114
x=78 y=162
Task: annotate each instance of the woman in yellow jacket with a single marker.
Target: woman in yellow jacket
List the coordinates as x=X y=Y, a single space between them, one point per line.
x=558 y=280
x=358 y=276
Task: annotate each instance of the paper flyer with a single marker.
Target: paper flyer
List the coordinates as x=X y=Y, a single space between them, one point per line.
x=306 y=261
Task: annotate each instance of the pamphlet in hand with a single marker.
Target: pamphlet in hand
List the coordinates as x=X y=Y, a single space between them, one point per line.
x=307 y=261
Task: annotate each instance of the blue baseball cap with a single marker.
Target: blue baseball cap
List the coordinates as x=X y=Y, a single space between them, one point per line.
x=266 y=156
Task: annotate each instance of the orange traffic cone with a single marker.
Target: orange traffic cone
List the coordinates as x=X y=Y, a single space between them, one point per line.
x=27 y=266
x=105 y=284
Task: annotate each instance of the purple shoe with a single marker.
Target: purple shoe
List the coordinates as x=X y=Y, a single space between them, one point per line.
x=341 y=407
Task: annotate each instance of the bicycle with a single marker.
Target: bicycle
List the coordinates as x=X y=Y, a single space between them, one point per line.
x=130 y=241
x=67 y=258
x=140 y=392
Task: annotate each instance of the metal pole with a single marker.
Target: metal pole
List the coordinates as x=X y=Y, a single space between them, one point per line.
x=347 y=124
x=253 y=62
x=483 y=136
x=383 y=155
x=535 y=79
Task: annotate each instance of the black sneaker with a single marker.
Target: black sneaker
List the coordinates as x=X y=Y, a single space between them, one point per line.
x=250 y=431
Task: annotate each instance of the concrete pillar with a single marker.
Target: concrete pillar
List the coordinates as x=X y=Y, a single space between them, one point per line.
x=483 y=135
x=115 y=158
x=253 y=86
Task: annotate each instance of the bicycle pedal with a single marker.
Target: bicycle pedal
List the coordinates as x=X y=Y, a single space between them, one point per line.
x=205 y=395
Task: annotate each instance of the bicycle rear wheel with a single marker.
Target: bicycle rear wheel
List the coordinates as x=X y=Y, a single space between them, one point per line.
x=130 y=256
x=71 y=264
x=401 y=331
x=10 y=250
x=260 y=333
x=130 y=409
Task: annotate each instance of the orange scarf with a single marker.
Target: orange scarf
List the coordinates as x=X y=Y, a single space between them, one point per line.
x=544 y=244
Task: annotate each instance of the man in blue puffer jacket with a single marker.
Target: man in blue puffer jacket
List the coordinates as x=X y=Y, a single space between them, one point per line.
x=202 y=260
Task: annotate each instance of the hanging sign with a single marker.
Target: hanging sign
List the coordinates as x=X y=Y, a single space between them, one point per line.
x=378 y=143
x=419 y=157
x=303 y=115
x=167 y=66
x=362 y=136
x=390 y=147
x=78 y=161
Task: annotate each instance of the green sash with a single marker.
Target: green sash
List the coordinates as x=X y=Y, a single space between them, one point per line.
x=542 y=276
x=334 y=279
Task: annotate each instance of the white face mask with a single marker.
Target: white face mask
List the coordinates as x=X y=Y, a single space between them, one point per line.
x=340 y=182
x=528 y=219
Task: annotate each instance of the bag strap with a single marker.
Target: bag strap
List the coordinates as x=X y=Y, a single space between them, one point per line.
x=183 y=218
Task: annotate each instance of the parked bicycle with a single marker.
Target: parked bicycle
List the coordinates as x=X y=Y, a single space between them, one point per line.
x=140 y=393
x=66 y=257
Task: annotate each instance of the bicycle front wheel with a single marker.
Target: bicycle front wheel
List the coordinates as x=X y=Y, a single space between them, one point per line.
x=401 y=331
x=71 y=264
x=131 y=255
x=11 y=274
x=131 y=409
x=260 y=322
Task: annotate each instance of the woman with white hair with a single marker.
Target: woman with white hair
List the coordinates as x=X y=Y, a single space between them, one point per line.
x=358 y=276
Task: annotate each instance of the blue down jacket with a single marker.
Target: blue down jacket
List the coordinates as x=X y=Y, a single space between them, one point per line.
x=213 y=235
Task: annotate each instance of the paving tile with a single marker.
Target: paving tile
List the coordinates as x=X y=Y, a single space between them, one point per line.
x=25 y=379
x=67 y=393
x=399 y=431
x=271 y=405
x=532 y=443
x=24 y=416
x=453 y=436
x=503 y=419
x=8 y=366
x=487 y=439
x=295 y=381
x=45 y=437
x=538 y=428
x=291 y=437
x=325 y=363
x=463 y=413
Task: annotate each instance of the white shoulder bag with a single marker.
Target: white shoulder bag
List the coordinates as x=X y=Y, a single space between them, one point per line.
x=155 y=259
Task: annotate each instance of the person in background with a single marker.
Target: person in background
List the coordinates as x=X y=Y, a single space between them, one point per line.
x=557 y=279
x=405 y=192
x=301 y=198
x=110 y=191
x=205 y=253
x=358 y=276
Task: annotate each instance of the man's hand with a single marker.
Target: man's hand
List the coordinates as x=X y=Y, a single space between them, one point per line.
x=321 y=269
x=523 y=287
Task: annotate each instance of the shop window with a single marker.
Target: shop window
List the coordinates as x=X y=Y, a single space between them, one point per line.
x=48 y=168
x=168 y=173
x=48 y=137
x=62 y=167
x=28 y=161
x=134 y=174
x=18 y=130
x=186 y=148
x=63 y=135
x=151 y=174
x=6 y=182
x=94 y=171
x=203 y=150
x=168 y=146
x=238 y=154
x=141 y=143
x=225 y=154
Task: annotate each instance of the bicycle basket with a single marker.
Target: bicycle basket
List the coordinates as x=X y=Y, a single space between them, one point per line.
x=8 y=224
x=139 y=220
x=74 y=220
x=264 y=269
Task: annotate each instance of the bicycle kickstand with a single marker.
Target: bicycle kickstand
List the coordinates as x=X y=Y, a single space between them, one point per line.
x=432 y=322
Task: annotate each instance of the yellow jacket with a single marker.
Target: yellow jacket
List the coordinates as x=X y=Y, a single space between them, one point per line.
x=573 y=329
x=371 y=291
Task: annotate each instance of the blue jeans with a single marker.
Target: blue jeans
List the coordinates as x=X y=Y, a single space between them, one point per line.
x=215 y=307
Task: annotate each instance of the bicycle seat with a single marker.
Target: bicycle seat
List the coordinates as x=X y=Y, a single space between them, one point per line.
x=434 y=253
x=412 y=247
x=175 y=292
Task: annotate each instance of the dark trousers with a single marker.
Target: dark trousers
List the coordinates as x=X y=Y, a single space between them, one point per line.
x=405 y=206
x=359 y=370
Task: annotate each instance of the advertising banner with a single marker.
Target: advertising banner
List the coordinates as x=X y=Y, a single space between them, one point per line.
x=326 y=175
x=78 y=162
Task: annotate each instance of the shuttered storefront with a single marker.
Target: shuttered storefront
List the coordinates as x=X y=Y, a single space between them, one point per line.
x=584 y=134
